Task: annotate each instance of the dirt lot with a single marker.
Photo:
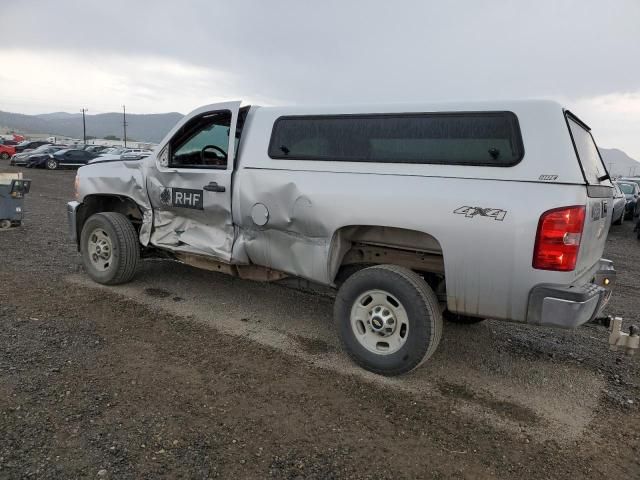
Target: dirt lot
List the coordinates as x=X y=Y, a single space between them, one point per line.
x=191 y=374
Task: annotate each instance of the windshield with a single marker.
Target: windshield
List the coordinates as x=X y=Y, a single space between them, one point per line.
x=634 y=180
x=626 y=188
x=23 y=143
x=588 y=154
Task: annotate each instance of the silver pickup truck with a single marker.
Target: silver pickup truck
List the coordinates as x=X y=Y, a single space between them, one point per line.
x=412 y=213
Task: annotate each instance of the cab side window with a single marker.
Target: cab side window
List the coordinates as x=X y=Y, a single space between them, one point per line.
x=203 y=142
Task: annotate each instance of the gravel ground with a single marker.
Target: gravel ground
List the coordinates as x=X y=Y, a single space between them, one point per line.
x=191 y=374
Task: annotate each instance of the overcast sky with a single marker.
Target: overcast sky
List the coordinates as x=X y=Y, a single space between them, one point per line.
x=158 y=56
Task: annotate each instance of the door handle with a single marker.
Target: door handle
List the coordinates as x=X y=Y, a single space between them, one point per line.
x=214 y=187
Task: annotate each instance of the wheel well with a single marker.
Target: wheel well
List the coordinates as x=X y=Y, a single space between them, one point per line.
x=93 y=204
x=359 y=246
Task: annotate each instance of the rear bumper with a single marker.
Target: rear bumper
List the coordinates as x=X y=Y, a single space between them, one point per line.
x=72 y=209
x=571 y=306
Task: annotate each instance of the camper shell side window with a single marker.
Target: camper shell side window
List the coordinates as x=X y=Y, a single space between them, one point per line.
x=452 y=138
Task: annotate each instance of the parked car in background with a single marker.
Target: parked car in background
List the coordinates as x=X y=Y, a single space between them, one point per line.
x=113 y=151
x=635 y=180
x=70 y=157
x=96 y=148
x=7 y=151
x=619 y=205
x=110 y=154
x=632 y=193
x=20 y=158
x=37 y=157
x=30 y=145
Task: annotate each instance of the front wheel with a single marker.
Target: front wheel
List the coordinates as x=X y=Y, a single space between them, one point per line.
x=51 y=164
x=4 y=155
x=388 y=319
x=110 y=248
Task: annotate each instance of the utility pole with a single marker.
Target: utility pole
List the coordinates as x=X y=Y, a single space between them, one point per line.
x=84 y=126
x=124 y=124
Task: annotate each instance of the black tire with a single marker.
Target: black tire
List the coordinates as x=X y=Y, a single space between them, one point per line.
x=51 y=164
x=461 y=319
x=417 y=299
x=4 y=155
x=125 y=251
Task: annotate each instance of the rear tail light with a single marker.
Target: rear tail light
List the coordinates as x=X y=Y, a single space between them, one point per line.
x=558 y=239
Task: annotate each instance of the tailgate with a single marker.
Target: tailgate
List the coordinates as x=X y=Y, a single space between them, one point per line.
x=599 y=194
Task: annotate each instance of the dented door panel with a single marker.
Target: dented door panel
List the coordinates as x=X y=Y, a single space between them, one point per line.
x=192 y=206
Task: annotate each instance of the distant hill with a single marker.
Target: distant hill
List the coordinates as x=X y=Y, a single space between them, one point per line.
x=149 y=128
x=619 y=163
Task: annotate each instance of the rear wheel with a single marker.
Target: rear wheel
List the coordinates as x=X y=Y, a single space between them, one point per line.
x=4 y=155
x=4 y=224
x=110 y=248
x=388 y=319
x=51 y=164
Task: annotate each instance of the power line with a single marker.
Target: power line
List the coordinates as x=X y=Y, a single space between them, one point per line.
x=124 y=123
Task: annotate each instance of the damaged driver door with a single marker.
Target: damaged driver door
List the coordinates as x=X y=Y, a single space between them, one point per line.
x=190 y=189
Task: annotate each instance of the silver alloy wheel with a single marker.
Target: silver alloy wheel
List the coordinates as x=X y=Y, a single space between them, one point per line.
x=100 y=249
x=379 y=322
x=52 y=164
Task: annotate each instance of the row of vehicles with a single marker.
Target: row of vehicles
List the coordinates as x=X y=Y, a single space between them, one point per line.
x=9 y=148
x=40 y=154
x=626 y=201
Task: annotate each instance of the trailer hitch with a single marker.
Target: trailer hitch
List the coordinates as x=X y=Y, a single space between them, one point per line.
x=630 y=342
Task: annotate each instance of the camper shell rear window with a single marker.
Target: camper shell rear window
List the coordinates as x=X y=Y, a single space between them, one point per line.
x=457 y=138
x=586 y=150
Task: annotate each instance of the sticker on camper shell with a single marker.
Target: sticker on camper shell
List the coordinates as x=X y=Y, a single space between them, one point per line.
x=470 y=212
